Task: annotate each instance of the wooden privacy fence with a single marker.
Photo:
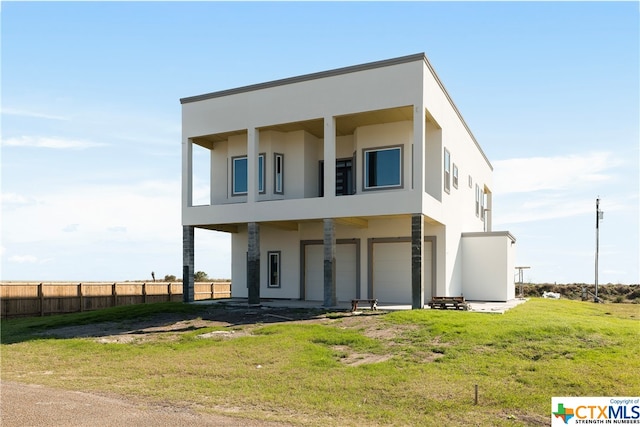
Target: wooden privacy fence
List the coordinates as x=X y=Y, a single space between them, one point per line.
x=20 y=299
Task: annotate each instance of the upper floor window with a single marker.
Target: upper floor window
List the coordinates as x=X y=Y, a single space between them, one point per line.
x=447 y=170
x=239 y=175
x=278 y=171
x=477 y=200
x=383 y=168
x=455 y=175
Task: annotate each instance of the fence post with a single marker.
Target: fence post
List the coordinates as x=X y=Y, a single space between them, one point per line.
x=144 y=292
x=169 y=292
x=213 y=290
x=81 y=297
x=114 y=294
x=41 y=296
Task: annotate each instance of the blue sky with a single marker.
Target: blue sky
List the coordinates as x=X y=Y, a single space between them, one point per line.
x=91 y=150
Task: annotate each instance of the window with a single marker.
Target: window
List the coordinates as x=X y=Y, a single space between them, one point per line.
x=239 y=174
x=455 y=175
x=382 y=168
x=470 y=182
x=482 y=204
x=447 y=170
x=477 y=200
x=274 y=269
x=278 y=171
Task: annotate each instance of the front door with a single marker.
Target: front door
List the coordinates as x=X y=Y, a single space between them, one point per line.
x=345 y=184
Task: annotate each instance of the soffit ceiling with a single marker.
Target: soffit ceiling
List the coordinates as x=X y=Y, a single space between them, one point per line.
x=345 y=125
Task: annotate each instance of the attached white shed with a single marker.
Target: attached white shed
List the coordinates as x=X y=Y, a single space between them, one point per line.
x=488 y=260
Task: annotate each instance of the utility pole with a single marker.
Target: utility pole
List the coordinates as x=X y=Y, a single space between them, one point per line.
x=599 y=216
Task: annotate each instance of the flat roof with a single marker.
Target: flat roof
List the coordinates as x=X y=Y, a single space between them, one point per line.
x=336 y=72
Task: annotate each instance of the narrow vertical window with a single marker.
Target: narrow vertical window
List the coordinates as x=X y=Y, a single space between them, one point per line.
x=482 y=204
x=477 y=200
x=455 y=176
x=261 y=189
x=274 y=269
x=278 y=170
x=447 y=170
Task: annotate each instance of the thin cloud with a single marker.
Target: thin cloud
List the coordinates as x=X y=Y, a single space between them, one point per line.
x=23 y=259
x=34 y=114
x=524 y=175
x=50 y=142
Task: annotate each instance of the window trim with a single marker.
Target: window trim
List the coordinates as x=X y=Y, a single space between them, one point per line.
x=261 y=176
x=447 y=170
x=276 y=157
x=365 y=168
x=278 y=256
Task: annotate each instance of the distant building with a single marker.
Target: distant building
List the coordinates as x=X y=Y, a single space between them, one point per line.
x=359 y=182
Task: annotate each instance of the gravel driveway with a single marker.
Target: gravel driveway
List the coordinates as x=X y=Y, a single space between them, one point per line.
x=24 y=405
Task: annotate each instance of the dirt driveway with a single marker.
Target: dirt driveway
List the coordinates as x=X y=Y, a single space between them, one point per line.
x=23 y=405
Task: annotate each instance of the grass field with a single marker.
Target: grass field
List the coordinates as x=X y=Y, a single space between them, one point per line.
x=333 y=368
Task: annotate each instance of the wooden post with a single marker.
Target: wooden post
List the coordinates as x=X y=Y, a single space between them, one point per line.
x=114 y=294
x=80 y=297
x=213 y=290
x=41 y=296
x=169 y=291
x=144 y=293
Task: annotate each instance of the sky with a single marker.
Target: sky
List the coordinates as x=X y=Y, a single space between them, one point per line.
x=91 y=120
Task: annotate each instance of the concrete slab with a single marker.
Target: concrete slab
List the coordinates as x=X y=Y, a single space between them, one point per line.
x=476 y=306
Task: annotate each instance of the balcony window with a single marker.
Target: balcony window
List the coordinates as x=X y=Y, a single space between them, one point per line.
x=239 y=174
x=383 y=168
x=278 y=171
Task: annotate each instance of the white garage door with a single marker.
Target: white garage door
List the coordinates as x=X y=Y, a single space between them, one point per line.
x=346 y=266
x=392 y=272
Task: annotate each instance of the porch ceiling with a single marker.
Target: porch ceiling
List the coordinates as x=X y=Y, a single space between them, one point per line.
x=345 y=125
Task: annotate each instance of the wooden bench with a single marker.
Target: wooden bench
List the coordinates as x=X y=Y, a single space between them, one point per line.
x=444 y=303
x=373 y=303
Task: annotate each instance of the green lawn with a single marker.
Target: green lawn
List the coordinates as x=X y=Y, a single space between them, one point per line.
x=402 y=368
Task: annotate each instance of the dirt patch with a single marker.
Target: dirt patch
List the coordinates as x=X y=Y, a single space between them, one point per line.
x=231 y=322
x=351 y=358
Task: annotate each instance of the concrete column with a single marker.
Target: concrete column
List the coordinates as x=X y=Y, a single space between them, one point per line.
x=417 y=261
x=330 y=299
x=187 y=173
x=253 y=262
x=418 y=148
x=188 y=256
x=253 y=141
x=329 y=157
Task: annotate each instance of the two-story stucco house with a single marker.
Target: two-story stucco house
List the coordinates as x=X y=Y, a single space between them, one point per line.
x=359 y=182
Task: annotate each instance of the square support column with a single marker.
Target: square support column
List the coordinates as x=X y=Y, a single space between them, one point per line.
x=329 y=157
x=253 y=263
x=188 y=256
x=417 y=261
x=253 y=143
x=330 y=299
